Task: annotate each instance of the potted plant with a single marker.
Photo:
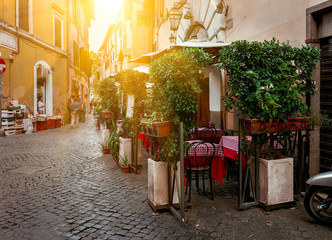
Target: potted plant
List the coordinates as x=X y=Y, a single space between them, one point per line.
x=132 y=84
x=267 y=84
x=114 y=142
x=108 y=92
x=105 y=147
x=268 y=80
x=175 y=80
x=124 y=163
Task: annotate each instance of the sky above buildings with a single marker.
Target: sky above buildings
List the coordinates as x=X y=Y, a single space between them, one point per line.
x=106 y=12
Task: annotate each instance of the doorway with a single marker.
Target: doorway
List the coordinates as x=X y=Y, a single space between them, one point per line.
x=43 y=89
x=326 y=103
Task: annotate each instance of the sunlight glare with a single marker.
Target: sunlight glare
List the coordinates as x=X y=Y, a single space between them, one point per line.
x=106 y=12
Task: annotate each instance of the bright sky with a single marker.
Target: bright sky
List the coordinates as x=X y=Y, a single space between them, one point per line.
x=106 y=12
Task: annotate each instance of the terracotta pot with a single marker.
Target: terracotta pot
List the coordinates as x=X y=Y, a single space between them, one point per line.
x=106 y=150
x=293 y=124
x=107 y=114
x=126 y=169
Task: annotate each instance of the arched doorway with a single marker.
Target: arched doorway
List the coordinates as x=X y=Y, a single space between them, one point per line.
x=43 y=87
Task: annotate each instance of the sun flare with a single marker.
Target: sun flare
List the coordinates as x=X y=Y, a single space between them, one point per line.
x=106 y=12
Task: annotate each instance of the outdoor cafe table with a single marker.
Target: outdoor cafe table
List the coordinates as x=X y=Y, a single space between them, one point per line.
x=217 y=166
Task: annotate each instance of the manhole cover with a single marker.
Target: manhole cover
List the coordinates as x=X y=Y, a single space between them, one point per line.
x=27 y=169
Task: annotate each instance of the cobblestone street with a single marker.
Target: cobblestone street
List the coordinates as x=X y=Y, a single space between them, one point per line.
x=57 y=184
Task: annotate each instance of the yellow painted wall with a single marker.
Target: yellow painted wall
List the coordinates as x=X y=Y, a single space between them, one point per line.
x=19 y=77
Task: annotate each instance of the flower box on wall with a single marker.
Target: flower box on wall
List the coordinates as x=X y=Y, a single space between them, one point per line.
x=157 y=129
x=293 y=124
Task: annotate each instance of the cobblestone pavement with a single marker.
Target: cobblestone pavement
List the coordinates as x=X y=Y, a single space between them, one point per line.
x=56 y=184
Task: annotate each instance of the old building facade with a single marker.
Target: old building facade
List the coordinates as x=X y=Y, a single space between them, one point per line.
x=213 y=22
x=35 y=45
x=129 y=37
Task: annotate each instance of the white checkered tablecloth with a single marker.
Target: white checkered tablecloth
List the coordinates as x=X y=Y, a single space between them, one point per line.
x=231 y=142
x=201 y=150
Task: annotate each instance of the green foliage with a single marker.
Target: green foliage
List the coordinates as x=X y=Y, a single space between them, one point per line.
x=171 y=149
x=105 y=145
x=124 y=161
x=268 y=79
x=175 y=78
x=130 y=127
x=114 y=143
x=97 y=110
x=133 y=83
x=108 y=92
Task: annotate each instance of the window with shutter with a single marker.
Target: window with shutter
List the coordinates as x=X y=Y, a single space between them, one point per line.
x=23 y=20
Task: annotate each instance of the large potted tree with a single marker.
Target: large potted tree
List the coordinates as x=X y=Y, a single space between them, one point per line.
x=268 y=82
x=108 y=92
x=175 y=81
x=132 y=85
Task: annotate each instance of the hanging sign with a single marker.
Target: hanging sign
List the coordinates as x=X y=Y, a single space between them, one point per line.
x=2 y=65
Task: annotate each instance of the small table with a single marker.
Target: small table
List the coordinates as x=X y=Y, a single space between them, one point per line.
x=217 y=166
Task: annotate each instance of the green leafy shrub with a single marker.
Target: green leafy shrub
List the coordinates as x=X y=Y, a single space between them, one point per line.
x=175 y=78
x=267 y=79
x=108 y=92
x=133 y=83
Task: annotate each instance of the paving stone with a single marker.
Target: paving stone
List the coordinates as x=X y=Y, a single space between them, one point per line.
x=78 y=193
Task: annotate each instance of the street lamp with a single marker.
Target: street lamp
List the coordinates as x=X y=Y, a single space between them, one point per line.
x=174 y=16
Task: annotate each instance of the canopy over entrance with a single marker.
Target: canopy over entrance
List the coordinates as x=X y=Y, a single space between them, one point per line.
x=211 y=47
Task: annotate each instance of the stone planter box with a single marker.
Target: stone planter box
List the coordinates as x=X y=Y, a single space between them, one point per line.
x=158 y=189
x=126 y=148
x=276 y=183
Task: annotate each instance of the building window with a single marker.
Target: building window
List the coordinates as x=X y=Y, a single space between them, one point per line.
x=23 y=19
x=74 y=10
x=76 y=55
x=58 y=29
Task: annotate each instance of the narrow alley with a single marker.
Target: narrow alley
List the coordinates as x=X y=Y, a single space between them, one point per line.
x=56 y=184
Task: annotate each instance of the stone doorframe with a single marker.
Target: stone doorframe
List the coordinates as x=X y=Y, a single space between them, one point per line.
x=49 y=88
x=318 y=25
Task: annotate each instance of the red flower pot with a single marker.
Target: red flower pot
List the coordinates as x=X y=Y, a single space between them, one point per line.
x=106 y=150
x=126 y=169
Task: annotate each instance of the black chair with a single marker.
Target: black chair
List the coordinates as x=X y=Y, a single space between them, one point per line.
x=199 y=164
x=208 y=134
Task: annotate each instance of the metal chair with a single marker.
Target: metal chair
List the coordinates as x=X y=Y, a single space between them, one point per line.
x=208 y=134
x=198 y=162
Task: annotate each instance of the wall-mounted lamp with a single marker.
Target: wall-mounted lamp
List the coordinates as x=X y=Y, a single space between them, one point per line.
x=174 y=16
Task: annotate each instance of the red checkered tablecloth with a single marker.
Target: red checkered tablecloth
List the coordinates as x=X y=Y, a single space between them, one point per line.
x=203 y=149
x=217 y=167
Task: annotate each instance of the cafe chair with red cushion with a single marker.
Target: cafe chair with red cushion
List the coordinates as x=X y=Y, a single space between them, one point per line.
x=198 y=162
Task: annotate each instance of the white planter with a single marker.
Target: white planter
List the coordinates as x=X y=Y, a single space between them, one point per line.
x=125 y=148
x=158 y=190
x=275 y=181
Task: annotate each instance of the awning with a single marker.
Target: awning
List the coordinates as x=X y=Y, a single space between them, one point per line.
x=142 y=69
x=211 y=47
x=149 y=57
